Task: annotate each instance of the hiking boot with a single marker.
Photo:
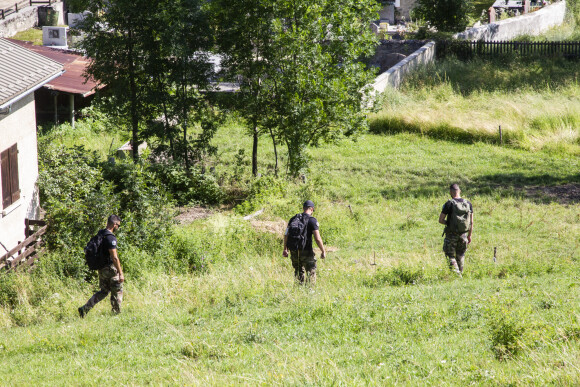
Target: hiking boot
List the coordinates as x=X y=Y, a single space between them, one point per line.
x=81 y=312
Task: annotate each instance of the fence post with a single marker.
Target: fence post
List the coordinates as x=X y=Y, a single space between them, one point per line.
x=500 y=136
x=2 y=12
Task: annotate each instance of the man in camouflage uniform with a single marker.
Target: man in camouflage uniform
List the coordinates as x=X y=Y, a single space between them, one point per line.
x=111 y=276
x=456 y=210
x=304 y=261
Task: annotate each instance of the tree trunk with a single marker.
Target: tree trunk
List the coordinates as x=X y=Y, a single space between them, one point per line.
x=255 y=152
x=134 y=102
x=184 y=112
x=275 y=152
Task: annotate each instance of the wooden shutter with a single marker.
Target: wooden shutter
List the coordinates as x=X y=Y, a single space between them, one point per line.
x=10 y=182
x=5 y=175
x=14 y=183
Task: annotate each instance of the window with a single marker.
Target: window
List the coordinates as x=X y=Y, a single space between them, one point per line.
x=9 y=176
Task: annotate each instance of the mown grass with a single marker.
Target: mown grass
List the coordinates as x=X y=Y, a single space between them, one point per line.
x=33 y=35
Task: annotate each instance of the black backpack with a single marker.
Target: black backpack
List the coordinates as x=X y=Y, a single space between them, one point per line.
x=94 y=256
x=297 y=229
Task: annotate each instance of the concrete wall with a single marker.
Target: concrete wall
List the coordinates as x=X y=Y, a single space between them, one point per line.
x=25 y=19
x=395 y=75
x=405 y=9
x=390 y=52
x=529 y=24
x=19 y=127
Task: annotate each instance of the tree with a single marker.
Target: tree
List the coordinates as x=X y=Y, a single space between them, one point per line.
x=117 y=40
x=153 y=58
x=319 y=88
x=185 y=42
x=299 y=64
x=444 y=15
x=243 y=36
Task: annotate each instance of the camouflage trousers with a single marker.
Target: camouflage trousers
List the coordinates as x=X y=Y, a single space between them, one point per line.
x=304 y=262
x=109 y=283
x=454 y=247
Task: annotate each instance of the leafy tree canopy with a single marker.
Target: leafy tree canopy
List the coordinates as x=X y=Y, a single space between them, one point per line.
x=444 y=15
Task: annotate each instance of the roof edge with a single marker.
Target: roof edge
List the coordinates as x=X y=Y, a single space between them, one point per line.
x=31 y=90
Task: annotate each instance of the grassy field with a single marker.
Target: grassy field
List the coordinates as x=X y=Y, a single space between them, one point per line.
x=534 y=101
x=405 y=320
x=386 y=310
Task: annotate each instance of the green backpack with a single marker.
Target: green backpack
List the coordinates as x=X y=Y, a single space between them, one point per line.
x=458 y=220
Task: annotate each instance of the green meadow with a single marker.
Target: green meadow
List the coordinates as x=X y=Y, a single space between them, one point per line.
x=385 y=310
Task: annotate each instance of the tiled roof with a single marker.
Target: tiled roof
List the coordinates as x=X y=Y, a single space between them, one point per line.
x=73 y=80
x=22 y=71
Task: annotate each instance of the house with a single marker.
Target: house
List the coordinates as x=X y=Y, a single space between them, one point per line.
x=59 y=99
x=395 y=11
x=21 y=73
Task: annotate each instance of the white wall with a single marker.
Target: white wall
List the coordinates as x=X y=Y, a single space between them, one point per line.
x=394 y=76
x=529 y=24
x=19 y=127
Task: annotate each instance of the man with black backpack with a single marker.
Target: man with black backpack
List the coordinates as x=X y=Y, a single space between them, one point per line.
x=101 y=255
x=298 y=240
x=458 y=228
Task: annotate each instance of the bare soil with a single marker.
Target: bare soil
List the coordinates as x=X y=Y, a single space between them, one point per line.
x=564 y=194
x=191 y=214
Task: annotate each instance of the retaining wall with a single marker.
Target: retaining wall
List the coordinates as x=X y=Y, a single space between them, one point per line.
x=529 y=24
x=394 y=76
x=25 y=19
x=21 y=21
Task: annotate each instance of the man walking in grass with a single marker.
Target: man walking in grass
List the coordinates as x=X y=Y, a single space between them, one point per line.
x=457 y=216
x=111 y=275
x=298 y=240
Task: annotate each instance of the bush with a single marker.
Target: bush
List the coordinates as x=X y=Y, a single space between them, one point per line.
x=506 y=330
x=189 y=188
x=260 y=191
x=445 y=15
x=78 y=193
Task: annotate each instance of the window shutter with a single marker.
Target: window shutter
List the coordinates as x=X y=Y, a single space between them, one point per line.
x=5 y=176
x=14 y=182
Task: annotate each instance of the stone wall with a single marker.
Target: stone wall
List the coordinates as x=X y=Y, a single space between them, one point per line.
x=529 y=24
x=394 y=76
x=404 y=9
x=390 y=52
x=25 y=19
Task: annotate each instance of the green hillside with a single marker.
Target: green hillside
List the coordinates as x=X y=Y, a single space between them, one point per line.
x=386 y=310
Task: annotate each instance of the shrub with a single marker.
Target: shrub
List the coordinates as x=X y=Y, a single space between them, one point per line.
x=445 y=15
x=506 y=330
x=189 y=188
x=78 y=193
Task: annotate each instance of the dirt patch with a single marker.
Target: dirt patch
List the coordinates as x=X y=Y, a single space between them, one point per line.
x=564 y=194
x=275 y=227
x=191 y=214
x=278 y=227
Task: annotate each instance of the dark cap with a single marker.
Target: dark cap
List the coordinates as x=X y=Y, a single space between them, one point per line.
x=454 y=187
x=308 y=203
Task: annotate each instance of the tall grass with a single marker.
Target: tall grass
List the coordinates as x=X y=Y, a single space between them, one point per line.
x=217 y=304
x=532 y=100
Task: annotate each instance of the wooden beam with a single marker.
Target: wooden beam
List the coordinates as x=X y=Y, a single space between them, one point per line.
x=26 y=242
x=27 y=253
